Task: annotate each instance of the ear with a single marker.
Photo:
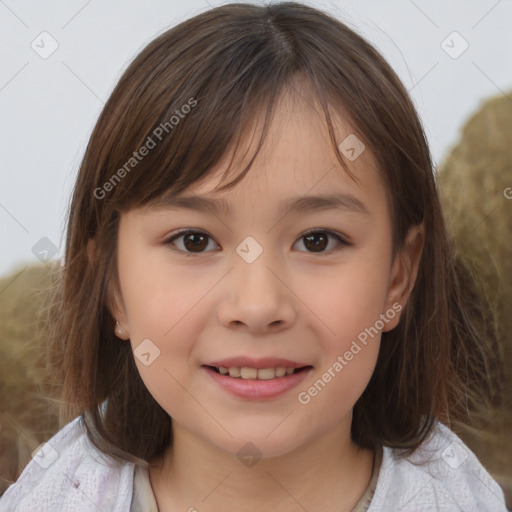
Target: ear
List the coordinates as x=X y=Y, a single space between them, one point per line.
x=404 y=272
x=114 y=304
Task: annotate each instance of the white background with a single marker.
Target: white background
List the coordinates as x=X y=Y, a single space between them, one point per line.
x=48 y=106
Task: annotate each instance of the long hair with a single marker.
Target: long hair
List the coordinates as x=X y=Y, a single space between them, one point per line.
x=186 y=98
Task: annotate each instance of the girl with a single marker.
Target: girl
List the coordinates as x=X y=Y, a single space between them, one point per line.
x=297 y=338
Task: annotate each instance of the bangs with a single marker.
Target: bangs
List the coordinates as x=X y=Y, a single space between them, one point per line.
x=185 y=103
x=189 y=111
x=255 y=119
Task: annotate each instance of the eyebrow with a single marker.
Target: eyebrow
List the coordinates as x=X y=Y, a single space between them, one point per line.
x=341 y=201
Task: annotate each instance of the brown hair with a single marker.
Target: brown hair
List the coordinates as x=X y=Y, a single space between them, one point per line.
x=227 y=64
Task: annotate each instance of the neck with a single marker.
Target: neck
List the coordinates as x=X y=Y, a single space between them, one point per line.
x=328 y=473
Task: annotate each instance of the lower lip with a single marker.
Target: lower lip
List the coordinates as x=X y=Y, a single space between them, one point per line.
x=257 y=389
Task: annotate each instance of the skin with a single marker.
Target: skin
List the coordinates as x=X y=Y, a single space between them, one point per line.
x=290 y=302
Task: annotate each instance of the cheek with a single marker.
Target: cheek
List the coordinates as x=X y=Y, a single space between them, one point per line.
x=352 y=308
x=349 y=304
x=332 y=394
x=163 y=307
x=348 y=300
x=157 y=296
x=152 y=308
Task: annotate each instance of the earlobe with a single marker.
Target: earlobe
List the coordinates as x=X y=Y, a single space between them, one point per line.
x=117 y=311
x=121 y=332
x=404 y=272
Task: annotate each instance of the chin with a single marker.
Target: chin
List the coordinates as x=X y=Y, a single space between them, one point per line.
x=259 y=440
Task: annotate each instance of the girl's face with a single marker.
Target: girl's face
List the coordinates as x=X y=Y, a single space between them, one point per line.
x=267 y=279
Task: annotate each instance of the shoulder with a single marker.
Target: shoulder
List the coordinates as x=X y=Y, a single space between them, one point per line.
x=69 y=473
x=442 y=474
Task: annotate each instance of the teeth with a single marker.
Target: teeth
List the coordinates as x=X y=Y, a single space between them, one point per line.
x=281 y=372
x=248 y=373
x=266 y=373
x=255 y=373
x=234 y=372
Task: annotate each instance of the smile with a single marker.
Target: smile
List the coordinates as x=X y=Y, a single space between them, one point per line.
x=257 y=383
x=249 y=373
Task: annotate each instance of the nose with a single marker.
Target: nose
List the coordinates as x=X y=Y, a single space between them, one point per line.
x=257 y=297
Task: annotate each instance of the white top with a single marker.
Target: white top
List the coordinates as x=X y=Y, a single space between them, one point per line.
x=69 y=474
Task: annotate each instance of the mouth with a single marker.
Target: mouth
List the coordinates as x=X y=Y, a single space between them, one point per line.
x=251 y=373
x=265 y=379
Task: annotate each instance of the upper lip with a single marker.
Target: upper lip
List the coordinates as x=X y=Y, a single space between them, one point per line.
x=250 y=362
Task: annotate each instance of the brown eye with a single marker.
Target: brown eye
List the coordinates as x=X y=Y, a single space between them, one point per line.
x=192 y=241
x=196 y=242
x=318 y=241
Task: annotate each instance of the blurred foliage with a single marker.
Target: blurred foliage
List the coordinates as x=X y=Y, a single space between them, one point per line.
x=28 y=414
x=473 y=180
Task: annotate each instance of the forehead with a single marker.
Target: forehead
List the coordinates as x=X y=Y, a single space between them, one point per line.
x=297 y=158
x=296 y=170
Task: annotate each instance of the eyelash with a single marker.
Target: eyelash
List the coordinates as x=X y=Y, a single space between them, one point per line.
x=342 y=242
